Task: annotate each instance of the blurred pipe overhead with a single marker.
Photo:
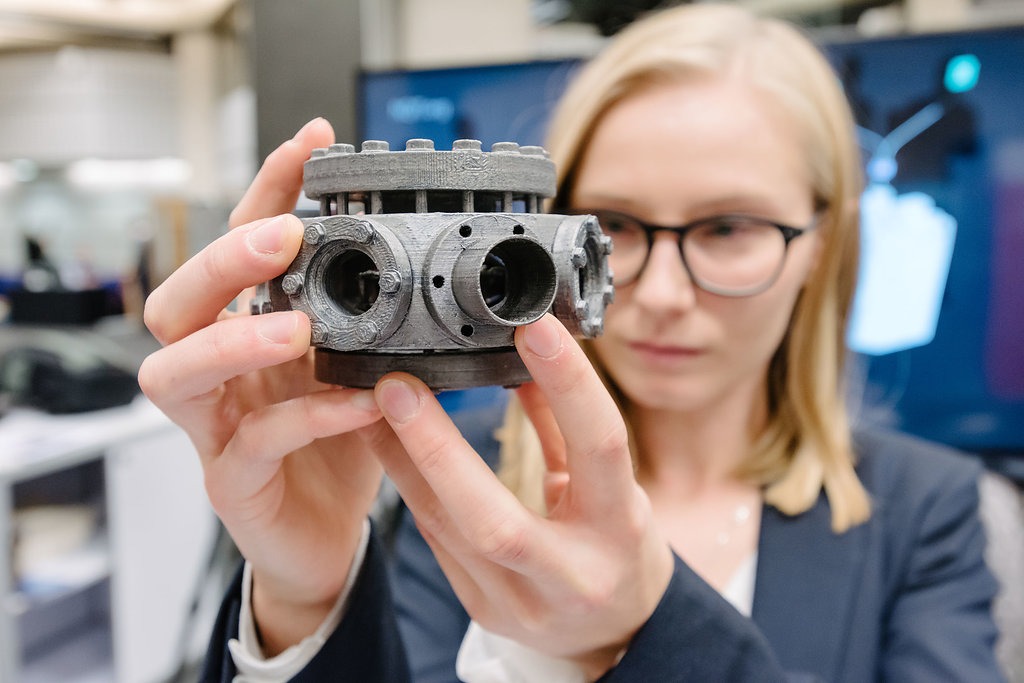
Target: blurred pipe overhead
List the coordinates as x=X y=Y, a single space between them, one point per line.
x=34 y=24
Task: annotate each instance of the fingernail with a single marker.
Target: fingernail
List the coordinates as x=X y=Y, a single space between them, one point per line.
x=543 y=338
x=277 y=329
x=303 y=130
x=365 y=400
x=398 y=400
x=268 y=238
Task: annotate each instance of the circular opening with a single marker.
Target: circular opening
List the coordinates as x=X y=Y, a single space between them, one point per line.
x=590 y=274
x=493 y=280
x=352 y=281
x=438 y=281
x=467 y=330
x=517 y=280
x=465 y=231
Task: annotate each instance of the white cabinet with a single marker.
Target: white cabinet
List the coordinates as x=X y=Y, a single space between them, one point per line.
x=114 y=608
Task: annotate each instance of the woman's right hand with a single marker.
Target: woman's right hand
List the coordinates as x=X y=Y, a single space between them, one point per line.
x=284 y=469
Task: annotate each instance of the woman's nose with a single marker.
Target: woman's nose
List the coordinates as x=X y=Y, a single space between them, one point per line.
x=664 y=284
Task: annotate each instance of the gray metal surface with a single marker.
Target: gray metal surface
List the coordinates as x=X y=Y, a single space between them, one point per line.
x=437 y=293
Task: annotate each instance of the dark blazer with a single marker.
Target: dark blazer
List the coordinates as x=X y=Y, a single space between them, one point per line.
x=903 y=597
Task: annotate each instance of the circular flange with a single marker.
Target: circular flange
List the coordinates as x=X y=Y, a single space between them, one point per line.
x=507 y=168
x=317 y=275
x=441 y=371
x=584 y=278
x=460 y=250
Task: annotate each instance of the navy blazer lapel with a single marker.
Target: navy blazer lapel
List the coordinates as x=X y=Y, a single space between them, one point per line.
x=807 y=581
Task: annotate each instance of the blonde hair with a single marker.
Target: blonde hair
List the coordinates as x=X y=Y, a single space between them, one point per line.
x=806 y=445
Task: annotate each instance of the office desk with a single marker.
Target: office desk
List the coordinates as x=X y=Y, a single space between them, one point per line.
x=158 y=531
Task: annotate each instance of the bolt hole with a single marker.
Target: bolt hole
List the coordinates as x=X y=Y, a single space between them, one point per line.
x=467 y=330
x=518 y=230
x=438 y=281
x=465 y=231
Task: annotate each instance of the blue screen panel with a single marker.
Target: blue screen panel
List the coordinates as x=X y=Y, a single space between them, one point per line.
x=938 y=324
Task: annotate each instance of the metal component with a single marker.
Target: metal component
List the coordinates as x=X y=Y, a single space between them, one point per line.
x=314 y=234
x=441 y=371
x=341 y=148
x=390 y=281
x=423 y=283
x=318 y=334
x=362 y=232
x=505 y=147
x=367 y=332
x=292 y=284
x=418 y=143
x=585 y=278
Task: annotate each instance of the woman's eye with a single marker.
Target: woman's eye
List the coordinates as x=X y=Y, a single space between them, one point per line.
x=721 y=229
x=731 y=228
x=612 y=224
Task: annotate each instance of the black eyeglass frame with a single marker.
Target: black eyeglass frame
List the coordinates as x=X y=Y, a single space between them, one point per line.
x=789 y=233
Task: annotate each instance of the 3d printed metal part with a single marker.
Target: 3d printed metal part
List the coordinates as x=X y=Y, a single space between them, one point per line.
x=426 y=260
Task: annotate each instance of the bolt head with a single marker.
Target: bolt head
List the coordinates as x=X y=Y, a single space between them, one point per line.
x=367 y=333
x=582 y=309
x=318 y=333
x=292 y=284
x=314 y=234
x=579 y=257
x=593 y=327
x=505 y=147
x=362 y=232
x=609 y=294
x=419 y=143
x=390 y=281
x=341 y=148
x=606 y=244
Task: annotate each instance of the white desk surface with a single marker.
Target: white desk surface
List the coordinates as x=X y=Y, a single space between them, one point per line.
x=33 y=443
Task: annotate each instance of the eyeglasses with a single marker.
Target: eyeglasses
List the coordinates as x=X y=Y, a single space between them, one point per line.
x=729 y=255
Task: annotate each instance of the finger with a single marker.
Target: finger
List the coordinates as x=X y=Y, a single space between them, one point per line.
x=202 y=362
x=539 y=413
x=237 y=480
x=479 y=507
x=597 y=446
x=195 y=294
x=276 y=187
x=476 y=581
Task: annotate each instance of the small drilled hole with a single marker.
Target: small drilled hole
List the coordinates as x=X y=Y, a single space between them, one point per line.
x=518 y=230
x=467 y=330
x=465 y=231
x=438 y=281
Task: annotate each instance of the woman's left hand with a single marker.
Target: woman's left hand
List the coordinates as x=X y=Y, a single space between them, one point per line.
x=576 y=584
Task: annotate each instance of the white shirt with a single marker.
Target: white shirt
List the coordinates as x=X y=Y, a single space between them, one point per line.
x=484 y=657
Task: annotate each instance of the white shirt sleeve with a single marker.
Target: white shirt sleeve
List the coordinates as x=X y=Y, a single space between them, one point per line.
x=485 y=657
x=252 y=666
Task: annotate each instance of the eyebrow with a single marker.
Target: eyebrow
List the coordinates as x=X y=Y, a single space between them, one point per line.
x=728 y=204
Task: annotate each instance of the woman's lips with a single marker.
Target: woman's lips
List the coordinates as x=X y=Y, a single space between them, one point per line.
x=664 y=355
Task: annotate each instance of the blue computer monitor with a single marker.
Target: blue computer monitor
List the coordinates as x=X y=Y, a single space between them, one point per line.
x=505 y=102
x=941 y=129
x=938 y=326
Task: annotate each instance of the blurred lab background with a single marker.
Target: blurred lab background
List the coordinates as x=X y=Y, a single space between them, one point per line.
x=129 y=129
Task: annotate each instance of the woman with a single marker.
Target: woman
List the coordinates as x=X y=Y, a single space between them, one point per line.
x=709 y=422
